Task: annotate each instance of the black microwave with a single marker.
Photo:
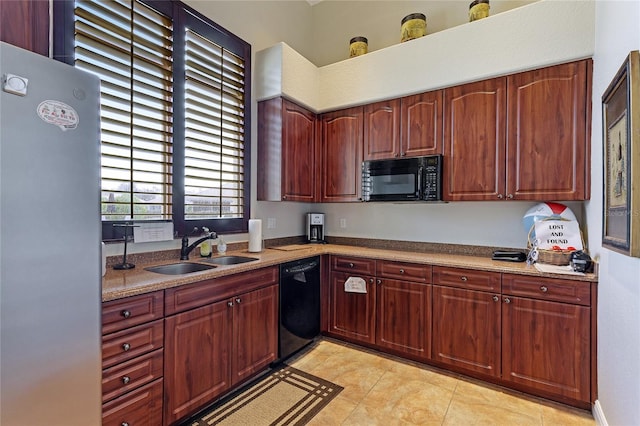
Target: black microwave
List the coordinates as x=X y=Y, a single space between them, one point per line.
x=405 y=179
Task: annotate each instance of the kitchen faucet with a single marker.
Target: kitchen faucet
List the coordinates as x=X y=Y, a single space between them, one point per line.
x=186 y=248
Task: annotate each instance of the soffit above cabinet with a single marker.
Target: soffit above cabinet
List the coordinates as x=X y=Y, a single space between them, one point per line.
x=539 y=34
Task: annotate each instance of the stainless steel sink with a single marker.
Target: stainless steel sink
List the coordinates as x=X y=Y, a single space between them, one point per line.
x=179 y=268
x=230 y=260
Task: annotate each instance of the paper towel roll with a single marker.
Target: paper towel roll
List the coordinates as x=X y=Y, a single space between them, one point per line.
x=255 y=235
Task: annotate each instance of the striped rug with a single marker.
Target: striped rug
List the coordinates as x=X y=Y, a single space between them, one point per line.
x=287 y=396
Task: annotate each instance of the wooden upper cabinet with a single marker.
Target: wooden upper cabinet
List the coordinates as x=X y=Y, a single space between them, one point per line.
x=548 y=133
x=341 y=155
x=287 y=152
x=421 y=128
x=474 y=141
x=25 y=23
x=382 y=130
x=406 y=127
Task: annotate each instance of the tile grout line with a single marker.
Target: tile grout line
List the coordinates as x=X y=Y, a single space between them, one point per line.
x=449 y=405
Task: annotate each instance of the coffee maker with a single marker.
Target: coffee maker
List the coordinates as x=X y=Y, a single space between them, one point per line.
x=315 y=228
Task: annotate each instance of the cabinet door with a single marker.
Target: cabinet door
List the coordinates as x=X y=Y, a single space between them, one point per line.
x=341 y=155
x=197 y=354
x=298 y=153
x=382 y=130
x=404 y=317
x=352 y=315
x=25 y=23
x=466 y=329
x=474 y=141
x=548 y=138
x=546 y=346
x=255 y=332
x=421 y=130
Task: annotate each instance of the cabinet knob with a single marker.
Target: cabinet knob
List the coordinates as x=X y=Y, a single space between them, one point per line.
x=284 y=197
x=126 y=380
x=402 y=271
x=371 y=280
x=238 y=300
x=229 y=303
x=463 y=278
x=125 y=313
x=402 y=154
x=507 y=300
x=124 y=424
x=510 y=196
x=495 y=298
x=350 y=265
x=379 y=281
x=544 y=289
x=126 y=347
x=500 y=196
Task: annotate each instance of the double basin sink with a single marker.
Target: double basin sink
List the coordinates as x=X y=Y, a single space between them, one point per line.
x=189 y=267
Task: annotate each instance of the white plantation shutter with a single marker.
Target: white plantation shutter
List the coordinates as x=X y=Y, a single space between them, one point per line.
x=214 y=130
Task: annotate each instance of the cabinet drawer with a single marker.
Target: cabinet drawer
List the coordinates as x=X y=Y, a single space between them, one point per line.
x=186 y=297
x=124 y=313
x=141 y=407
x=128 y=344
x=122 y=378
x=467 y=278
x=576 y=292
x=353 y=265
x=403 y=271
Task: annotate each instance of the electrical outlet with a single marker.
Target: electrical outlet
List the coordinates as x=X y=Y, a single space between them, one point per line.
x=343 y=223
x=271 y=223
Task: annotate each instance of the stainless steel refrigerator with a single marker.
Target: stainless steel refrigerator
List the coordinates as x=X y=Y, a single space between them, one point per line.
x=50 y=278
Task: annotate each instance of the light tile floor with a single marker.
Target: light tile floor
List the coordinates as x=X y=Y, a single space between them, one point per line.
x=385 y=390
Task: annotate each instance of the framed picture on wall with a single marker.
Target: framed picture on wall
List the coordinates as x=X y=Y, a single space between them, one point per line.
x=621 y=145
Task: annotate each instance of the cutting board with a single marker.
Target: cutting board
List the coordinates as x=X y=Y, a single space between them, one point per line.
x=293 y=247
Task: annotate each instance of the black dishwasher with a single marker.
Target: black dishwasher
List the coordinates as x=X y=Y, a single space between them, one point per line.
x=299 y=305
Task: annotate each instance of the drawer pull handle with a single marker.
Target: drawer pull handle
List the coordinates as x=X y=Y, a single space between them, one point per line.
x=495 y=298
x=126 y=347
x=507 y=300
x=402 y=271
x=544 y=289
x=126 y=380
x=126 y=313
x=350 y=265
x=463 y=278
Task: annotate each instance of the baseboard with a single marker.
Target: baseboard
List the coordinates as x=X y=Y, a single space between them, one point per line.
x=598 y=414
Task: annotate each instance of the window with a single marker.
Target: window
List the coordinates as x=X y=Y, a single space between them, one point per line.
x=174 y=91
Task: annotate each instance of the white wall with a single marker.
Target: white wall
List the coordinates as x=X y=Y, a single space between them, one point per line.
x=617 y=33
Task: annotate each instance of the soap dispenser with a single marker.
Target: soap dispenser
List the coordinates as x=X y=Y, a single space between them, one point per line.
x=205 y=247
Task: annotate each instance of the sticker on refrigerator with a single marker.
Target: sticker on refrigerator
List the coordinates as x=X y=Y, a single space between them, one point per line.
x=59 y=114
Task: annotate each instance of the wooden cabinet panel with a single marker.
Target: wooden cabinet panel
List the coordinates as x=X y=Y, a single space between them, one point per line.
x=255 y=332
x=358 y=265
x=197 y=351
x=546 y=346
x=466 y=329
x=352 y=315
x=421 y=128
x=142 y=407
x=558 y=290
x=129 y=375
x=403 y=271
x=403 y=317
x=123 y=313
x=467 y=278
x=548 y=140
x=130 y=343
x=341 y=155
x=288 y=156
x=25 y=23
x=474 y=141
x=382 y=130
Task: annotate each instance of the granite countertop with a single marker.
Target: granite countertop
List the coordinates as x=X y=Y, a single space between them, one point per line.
x=120 y=284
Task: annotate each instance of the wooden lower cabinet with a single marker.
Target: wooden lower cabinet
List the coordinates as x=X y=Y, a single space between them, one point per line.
x=208 y=350
x=403 y=317
x=546 y=346
x=466 y=329
x=352 y=315
x=142 y=407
